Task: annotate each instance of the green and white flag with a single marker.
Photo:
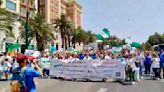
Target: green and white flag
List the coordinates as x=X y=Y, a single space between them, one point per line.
x=100 y=38
x=106 y=33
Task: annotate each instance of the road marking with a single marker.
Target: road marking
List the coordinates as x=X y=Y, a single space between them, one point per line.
x=102 y=90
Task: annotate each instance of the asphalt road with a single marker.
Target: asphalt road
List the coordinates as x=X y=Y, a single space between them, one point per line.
x=68 y=86
x=53 y=85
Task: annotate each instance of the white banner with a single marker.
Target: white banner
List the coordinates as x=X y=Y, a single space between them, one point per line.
x=56 y=68
x=94 y=70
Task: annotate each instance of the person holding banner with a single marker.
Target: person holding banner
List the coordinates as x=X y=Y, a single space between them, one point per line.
x=136 y=67
x=130 y=69
x=87 y=57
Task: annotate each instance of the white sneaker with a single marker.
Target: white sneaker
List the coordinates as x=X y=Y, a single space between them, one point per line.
x=133 y=83
x=141 y=78
x=157 y=78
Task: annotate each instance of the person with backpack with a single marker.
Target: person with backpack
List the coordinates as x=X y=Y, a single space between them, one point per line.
x=23 y=77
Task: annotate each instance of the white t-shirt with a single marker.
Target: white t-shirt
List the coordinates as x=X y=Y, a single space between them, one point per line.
x=108 y=57
x=1 y=68
x=131 y=62
x=74 y=59
x=87 y=58
x=155 y=63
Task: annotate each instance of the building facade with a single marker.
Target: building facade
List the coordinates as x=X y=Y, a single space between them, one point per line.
x=13 y=7
x=74 y=12
x=49 y=9
x=52 y=9
x=18 y=8
x=29 y=6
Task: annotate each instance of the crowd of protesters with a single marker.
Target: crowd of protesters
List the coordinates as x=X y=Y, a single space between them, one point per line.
x=136 y=62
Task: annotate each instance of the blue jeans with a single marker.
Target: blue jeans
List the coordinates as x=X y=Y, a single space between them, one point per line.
x=147 y=68
x=46 y=72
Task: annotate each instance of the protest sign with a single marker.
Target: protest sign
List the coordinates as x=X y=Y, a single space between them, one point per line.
x=56 y=68
x=94 y=70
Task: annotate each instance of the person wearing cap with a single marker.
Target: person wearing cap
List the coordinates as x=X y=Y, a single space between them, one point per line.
x=29 y=73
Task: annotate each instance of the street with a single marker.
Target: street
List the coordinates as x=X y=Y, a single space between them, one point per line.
x=53 y=85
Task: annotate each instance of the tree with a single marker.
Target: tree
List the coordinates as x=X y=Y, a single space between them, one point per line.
x=39 y=31
x=114 y=41
x=80 y=35
x=6 y=22
x=83 y=36
x=156 y=39
x=91 y=37
x=65 y=27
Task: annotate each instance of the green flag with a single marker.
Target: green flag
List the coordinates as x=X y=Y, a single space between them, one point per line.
x=107 y=33
x=100 y=37
x=136 y=44
x=16 y=46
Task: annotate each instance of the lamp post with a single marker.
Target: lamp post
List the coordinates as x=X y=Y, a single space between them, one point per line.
x=26 y=25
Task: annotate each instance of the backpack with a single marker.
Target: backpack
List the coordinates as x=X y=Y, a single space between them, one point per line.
x=18 y=80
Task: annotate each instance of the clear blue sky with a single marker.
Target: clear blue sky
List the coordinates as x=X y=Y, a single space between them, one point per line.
x=135 y=18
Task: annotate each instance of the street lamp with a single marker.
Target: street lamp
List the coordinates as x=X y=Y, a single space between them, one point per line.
x=26 y=25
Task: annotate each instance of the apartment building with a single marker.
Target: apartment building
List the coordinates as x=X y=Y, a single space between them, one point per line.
x=19 y=10
x=74 y=12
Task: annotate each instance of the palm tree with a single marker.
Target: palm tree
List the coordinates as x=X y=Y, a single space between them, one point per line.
x=39 y=31
x=80 y=36
x=6 y=22
x=83 y=36
x=65 y=27
x=91 y=37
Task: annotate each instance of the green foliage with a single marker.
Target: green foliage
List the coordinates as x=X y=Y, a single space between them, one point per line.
x=66 y=28
x=83 y=36
x=6 y=22
x=39 y=31
x=114 y=41
x=156 y=39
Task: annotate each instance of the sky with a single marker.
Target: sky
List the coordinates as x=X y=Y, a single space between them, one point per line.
x=135 y=18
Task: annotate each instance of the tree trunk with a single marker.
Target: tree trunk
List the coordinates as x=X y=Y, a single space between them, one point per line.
x=65 y=42
x=40 y=43
x=69 y=41
x=62 y=36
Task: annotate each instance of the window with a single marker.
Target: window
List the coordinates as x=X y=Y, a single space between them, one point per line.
x=31 y=13
x=32 y=3
x=23 y=11
x=10 y=5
